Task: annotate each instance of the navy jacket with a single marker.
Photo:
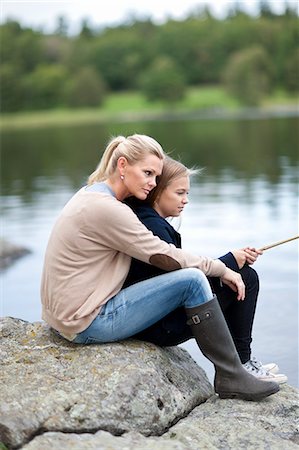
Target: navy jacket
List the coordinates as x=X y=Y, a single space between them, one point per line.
x=139 y=270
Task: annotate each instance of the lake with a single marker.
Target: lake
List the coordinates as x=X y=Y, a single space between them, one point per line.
x=247 y=194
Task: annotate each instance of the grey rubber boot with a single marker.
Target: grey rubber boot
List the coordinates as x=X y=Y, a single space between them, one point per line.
x=214 y=340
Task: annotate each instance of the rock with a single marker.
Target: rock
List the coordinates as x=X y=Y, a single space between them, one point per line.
x=49 y=384
x=10 y=252
x=216 y=424
x=125 y=396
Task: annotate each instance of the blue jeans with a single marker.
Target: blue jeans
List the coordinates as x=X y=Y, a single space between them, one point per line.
x=140 y=305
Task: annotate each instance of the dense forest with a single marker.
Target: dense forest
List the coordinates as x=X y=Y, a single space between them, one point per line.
x=248 y=55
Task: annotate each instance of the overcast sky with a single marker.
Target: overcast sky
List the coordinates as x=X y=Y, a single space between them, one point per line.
x=44 y=13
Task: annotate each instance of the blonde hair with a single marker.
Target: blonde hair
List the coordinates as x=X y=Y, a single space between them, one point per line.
x=172 y=170
x=134 y=148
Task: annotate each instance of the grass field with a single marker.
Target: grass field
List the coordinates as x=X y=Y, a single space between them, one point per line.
x=133 y=105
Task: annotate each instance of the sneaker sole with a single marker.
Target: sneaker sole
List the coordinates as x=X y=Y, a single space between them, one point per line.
x=273 y=380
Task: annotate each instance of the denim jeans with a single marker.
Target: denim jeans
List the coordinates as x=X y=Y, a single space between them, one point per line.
x=141 y=305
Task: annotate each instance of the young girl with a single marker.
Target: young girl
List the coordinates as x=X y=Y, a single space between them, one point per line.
x=168 y=199
x=88 y=259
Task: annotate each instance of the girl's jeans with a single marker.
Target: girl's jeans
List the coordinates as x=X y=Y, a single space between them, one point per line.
x=141 y=305
x=239 y=315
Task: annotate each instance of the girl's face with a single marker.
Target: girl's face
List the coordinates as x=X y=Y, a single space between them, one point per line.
x=140 y=178
x=173 y=199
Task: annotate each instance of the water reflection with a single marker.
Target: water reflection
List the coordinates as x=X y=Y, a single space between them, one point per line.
x=248 y=149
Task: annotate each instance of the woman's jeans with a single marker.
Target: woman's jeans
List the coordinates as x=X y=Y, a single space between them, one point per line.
x=143 y=304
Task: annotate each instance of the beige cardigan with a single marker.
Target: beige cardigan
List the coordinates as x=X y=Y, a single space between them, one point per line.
x=89 y=254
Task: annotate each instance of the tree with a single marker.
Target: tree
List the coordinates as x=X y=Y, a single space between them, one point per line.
x=62 y=26
x=292 y=72
x=248 y=75
x=163 y=81
x=265 y=9
x=119 y=55
x=86 y=30
x=86 y=88
x=10 y=88
x=44 y=87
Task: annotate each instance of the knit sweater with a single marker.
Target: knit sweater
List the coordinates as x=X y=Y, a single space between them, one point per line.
x=89 y=255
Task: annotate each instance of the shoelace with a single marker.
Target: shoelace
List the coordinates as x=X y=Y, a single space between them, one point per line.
x=256 y=363
x=255 y=367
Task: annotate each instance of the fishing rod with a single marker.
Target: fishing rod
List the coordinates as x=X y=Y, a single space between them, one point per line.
x=266 y=247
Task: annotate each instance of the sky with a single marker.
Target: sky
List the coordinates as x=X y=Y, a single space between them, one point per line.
x=43 y=14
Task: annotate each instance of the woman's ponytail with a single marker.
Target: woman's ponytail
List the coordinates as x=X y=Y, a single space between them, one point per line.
x=106 y=164
x=134 y=148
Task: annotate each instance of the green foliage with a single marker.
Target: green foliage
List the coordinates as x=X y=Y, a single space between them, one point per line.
x=292 y=72
x=10 y=89
x=22 y=48
x=248 y=75
x=56 y=49
x=86 y=88
x=44 y=87
x=119 y=55
x=163 y=81
x=39 y=70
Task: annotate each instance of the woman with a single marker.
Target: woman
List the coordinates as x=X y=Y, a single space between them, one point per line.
x=168 y=199
x=88 y=258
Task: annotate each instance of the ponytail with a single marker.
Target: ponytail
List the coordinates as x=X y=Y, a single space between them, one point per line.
x=134 y=148
x=100 y=174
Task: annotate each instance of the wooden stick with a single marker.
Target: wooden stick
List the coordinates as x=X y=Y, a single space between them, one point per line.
x=278 y=243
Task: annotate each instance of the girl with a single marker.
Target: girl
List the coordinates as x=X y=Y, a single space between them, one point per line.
x=168 y=199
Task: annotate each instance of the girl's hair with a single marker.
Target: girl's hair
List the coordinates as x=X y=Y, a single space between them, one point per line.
x=134 y=148
x=172 y=170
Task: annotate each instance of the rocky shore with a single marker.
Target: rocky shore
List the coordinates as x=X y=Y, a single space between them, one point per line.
x=10 y=252
x=124 y=396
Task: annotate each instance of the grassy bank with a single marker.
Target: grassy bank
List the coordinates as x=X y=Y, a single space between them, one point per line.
x=127 y=106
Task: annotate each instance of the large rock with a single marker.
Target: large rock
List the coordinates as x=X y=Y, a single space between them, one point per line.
x=217 y=424
x=48 y=384
x=125 y=396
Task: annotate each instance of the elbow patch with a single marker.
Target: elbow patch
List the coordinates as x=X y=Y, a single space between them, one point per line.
x=164 y=262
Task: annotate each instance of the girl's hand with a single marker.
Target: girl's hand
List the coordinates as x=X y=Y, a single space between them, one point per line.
x=246 y=255
x=235 y=282
x=252 y=254
x=240 y=257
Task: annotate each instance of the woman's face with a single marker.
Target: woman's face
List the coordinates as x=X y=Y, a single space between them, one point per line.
x=173 y=199
x=140 y=178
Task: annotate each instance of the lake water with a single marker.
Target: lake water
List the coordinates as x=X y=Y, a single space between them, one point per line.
x=247 y=194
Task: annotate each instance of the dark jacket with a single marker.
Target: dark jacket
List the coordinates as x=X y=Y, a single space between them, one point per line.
x=160 y=227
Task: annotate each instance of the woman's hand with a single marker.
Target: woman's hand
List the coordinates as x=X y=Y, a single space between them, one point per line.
x=246 y=255
x=235 y=282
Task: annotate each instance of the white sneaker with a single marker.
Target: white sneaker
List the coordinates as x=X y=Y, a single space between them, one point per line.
x=270 y=367
x=263 y=374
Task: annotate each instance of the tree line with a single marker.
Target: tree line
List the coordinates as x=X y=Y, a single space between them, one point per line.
x=248 y=55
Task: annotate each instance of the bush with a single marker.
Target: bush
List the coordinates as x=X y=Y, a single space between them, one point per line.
x=292 y=72
x=11 y=92
x=44 y=86
x=86 y=89
x=163 y=81
x=248 y=75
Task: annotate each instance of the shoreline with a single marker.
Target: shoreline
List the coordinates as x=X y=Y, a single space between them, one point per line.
x=42 y=119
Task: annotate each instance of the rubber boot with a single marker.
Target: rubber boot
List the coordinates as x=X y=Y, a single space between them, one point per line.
x=214 y=340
